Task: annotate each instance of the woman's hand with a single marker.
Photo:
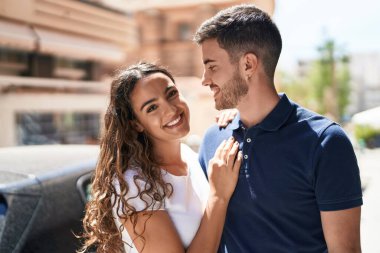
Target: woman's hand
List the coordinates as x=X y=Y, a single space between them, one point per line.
x=224 y=169
x=225 y=117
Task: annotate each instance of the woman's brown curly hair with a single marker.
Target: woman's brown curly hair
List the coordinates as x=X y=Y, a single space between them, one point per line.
x=121 y=148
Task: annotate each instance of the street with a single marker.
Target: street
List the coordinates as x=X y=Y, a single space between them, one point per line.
x=369 y=163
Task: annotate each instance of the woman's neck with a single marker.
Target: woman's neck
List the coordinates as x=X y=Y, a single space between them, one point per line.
x=168 y=155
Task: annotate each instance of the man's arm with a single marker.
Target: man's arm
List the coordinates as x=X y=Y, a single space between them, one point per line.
x=342 y=230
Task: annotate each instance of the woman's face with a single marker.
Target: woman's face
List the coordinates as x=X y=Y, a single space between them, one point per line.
x=160 y=110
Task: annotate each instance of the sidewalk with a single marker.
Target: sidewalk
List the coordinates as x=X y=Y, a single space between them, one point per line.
x=369 y=164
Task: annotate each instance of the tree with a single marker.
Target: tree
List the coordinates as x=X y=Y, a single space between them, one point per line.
x=330 y=77
x=322 y=84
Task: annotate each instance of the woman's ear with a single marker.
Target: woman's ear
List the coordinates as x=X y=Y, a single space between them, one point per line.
x=137 y=126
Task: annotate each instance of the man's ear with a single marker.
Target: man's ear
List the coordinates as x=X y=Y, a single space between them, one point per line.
x=137 y=126
x=248 y=65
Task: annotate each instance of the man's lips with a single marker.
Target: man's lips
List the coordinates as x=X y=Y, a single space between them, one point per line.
x=215 y=89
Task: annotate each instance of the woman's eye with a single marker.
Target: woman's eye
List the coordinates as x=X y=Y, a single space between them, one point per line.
x=151 y=108
x=172 y=93
x=212 y=68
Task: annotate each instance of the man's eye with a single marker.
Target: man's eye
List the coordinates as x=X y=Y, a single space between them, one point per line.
x=212 y=68
x=172 y=93
x=151 y=108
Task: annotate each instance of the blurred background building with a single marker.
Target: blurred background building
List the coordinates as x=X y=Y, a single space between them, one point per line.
x=53 y=58
x=56 y=59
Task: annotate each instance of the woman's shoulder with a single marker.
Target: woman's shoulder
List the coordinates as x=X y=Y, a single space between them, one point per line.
x=187 y=151
x=132 y=176
x=136 y=185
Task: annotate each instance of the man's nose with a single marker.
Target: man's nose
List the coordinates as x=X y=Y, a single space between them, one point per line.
x=206 y=80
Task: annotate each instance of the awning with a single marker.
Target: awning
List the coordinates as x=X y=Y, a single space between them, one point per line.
x=78 y=47
x=8 y=84
x=369 y=117
x=18 y=36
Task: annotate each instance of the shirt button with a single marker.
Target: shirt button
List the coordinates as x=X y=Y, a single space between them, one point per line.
x=249 y=140
x=245 y=156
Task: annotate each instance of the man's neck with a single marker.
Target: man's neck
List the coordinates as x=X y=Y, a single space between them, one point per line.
x=257 y=104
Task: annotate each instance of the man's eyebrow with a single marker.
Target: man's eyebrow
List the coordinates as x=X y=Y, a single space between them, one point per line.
x=208 y=61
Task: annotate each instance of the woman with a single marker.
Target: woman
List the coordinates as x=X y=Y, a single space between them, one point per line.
x=149 y=192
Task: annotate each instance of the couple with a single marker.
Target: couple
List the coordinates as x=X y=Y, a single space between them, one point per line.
x=280 y=178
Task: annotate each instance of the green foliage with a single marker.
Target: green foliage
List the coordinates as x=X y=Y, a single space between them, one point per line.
x=366 y=133
x=324 y=85
x=331 y=80
x=296 y=89
x=344 y=89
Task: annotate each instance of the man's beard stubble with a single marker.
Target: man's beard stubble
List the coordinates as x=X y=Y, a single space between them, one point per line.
x=231 y=92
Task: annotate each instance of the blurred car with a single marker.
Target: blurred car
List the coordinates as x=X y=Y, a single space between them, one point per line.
x=43 y=191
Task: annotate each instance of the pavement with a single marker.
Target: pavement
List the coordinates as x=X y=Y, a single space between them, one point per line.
x=369 y=164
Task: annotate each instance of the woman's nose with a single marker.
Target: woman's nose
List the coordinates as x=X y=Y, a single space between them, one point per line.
x=170 y=108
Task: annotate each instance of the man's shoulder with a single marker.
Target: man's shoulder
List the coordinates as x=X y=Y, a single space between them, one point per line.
x=211 y=140
x=316 y=122
x=215 y=132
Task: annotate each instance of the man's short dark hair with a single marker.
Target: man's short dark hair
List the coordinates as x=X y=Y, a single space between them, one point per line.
x=244 y=29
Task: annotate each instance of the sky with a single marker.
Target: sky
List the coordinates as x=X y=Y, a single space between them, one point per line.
x=304 y=24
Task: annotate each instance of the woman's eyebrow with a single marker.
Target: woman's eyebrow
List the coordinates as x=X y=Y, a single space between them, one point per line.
x=147 y=102
x=169 y=87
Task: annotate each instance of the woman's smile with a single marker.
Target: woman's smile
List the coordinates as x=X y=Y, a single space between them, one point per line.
x=176 y=122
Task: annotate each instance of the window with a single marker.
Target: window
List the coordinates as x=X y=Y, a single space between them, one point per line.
x=71 y=69
x=57 y=128
x=12 y=62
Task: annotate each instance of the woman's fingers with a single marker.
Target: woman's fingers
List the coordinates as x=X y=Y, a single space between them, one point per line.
x=232 y=114
x=225 y=117
x=218 y=151
x=222 y=120
x=237 y=163
x=231 y=156
x=227 y=152
x=226 y=149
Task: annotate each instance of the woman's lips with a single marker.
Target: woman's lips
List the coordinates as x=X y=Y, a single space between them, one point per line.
x=176 y=122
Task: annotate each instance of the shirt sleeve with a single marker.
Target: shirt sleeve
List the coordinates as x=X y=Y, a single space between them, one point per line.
x=202 y=158
x=138 y=202
x=337 y=177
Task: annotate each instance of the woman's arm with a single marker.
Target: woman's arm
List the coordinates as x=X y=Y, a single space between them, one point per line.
x=159 y=232
x=223 y=173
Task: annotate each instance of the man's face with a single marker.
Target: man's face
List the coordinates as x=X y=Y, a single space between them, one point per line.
x=222 y=76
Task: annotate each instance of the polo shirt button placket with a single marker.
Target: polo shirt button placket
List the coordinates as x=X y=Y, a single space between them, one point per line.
x=248 y=140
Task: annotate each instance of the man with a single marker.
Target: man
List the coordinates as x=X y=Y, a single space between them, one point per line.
x=299 y=187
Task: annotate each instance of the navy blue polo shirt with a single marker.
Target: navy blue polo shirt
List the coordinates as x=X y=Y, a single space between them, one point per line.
x=296 y=163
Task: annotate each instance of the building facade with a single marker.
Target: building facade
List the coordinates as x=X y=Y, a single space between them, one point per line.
x=166 y=28
x=54 y=56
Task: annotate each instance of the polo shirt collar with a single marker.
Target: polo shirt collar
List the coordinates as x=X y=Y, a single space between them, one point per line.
x=274 y=120
x=278 y=116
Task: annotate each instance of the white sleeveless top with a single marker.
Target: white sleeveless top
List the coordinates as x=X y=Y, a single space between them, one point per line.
x=185 y=206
